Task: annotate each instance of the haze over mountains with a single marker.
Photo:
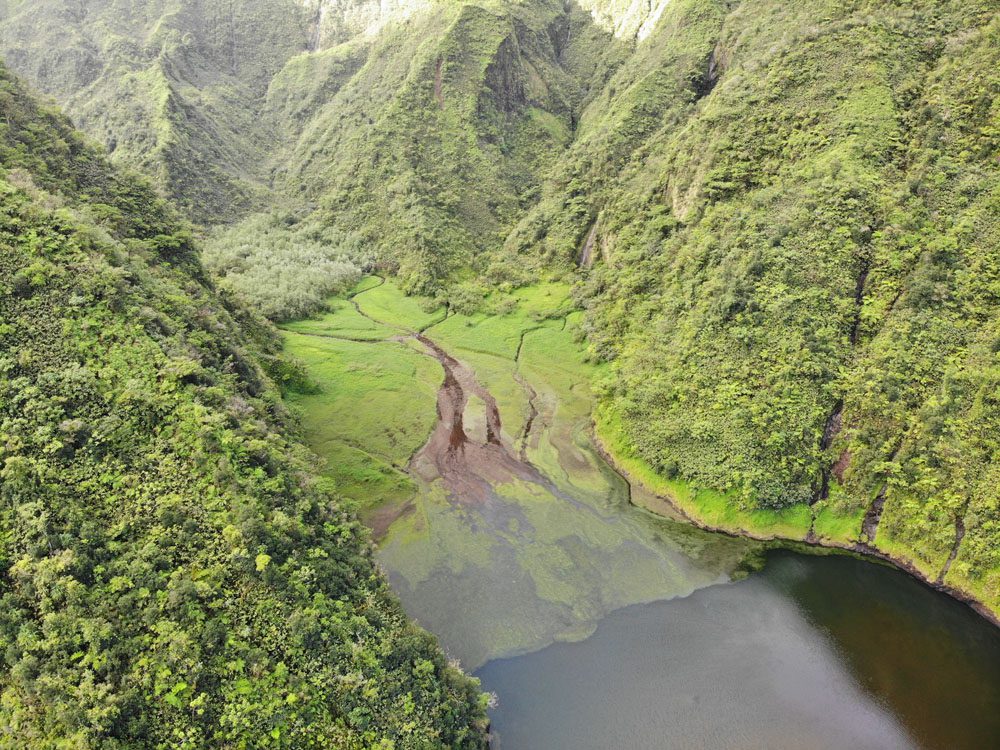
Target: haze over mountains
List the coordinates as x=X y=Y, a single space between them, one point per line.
x=786 y=216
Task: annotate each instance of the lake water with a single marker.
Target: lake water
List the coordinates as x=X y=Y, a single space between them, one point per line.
x=810 y=652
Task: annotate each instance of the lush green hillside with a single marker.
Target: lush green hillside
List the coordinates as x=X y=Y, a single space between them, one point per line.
x=794 y=214
x=413 y=133
x=172 y=573
x=172 y=88
x=428 y=153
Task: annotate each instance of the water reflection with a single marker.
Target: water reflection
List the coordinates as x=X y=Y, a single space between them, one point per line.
x=810 y=653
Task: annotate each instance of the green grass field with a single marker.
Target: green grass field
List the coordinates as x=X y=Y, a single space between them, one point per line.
x=375 y=407
x=387 y=304
x=342 y=321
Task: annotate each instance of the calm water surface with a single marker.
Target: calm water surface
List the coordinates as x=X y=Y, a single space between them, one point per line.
x=812 y=652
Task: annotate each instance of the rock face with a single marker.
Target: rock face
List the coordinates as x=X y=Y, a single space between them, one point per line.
x=336 y=21
x=626 y=19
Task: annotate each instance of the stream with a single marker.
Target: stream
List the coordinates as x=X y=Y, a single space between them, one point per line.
x=599 y=625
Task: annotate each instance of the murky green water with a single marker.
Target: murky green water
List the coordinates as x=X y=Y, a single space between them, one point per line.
x=812 y=652
x=532 y=565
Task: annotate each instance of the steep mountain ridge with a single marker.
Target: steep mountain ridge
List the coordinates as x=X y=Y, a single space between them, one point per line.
x=422 y=144
x=626 y=19
x=323 y=110
x=172 y=572
x=172 y=88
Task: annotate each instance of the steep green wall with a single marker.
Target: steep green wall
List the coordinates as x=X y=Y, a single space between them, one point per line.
x=172 y=88
x=172 y=572
x=796 y=234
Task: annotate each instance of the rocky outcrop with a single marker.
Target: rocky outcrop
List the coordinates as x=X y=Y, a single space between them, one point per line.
x=336 y=21
x=505 y=76
x=626 y=19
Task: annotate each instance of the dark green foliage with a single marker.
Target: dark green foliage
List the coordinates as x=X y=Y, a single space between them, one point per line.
x=172 y=573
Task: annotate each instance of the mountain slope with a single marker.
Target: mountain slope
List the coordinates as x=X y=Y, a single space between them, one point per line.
x=171 y=88
x=419 y=130
x=794 y=221
x=172 y=574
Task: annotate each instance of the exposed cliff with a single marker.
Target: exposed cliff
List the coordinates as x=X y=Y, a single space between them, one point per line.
x=337 y=21
x=626 y=19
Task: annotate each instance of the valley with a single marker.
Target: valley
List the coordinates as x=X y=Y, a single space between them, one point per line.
x=580 y=600
x=510 y=374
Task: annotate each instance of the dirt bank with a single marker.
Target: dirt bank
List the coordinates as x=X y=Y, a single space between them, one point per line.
x=858 y=548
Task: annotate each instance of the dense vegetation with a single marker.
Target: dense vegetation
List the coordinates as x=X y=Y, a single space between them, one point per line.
x=421 y=144
x=787 y=213
x=283 y=267
x=172 y=573
x=797 y=213
x=172 y=89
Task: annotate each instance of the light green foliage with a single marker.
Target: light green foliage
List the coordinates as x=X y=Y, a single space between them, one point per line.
x=282 y=268
x=174 y=573
x=497 y=323
x=343 y=321
x=350 y=360
x=387 y=304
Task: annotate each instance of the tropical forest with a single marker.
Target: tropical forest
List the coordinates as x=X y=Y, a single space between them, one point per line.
x=499 y=374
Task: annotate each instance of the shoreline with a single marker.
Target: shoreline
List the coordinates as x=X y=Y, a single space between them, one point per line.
x=858 y=548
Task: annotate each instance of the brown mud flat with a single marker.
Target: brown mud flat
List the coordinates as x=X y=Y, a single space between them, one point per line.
x=859 y=548
x=468 y=468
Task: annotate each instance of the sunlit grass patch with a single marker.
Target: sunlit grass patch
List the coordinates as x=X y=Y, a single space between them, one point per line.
x=386 y=303
x=362 y=477
x=497 y=335
x=379 y=399
x=342 y=321
x=368 y=282
x=500 y=334
x=835 y=521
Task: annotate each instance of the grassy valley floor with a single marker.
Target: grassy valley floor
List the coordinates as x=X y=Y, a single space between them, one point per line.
x=372 y=412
